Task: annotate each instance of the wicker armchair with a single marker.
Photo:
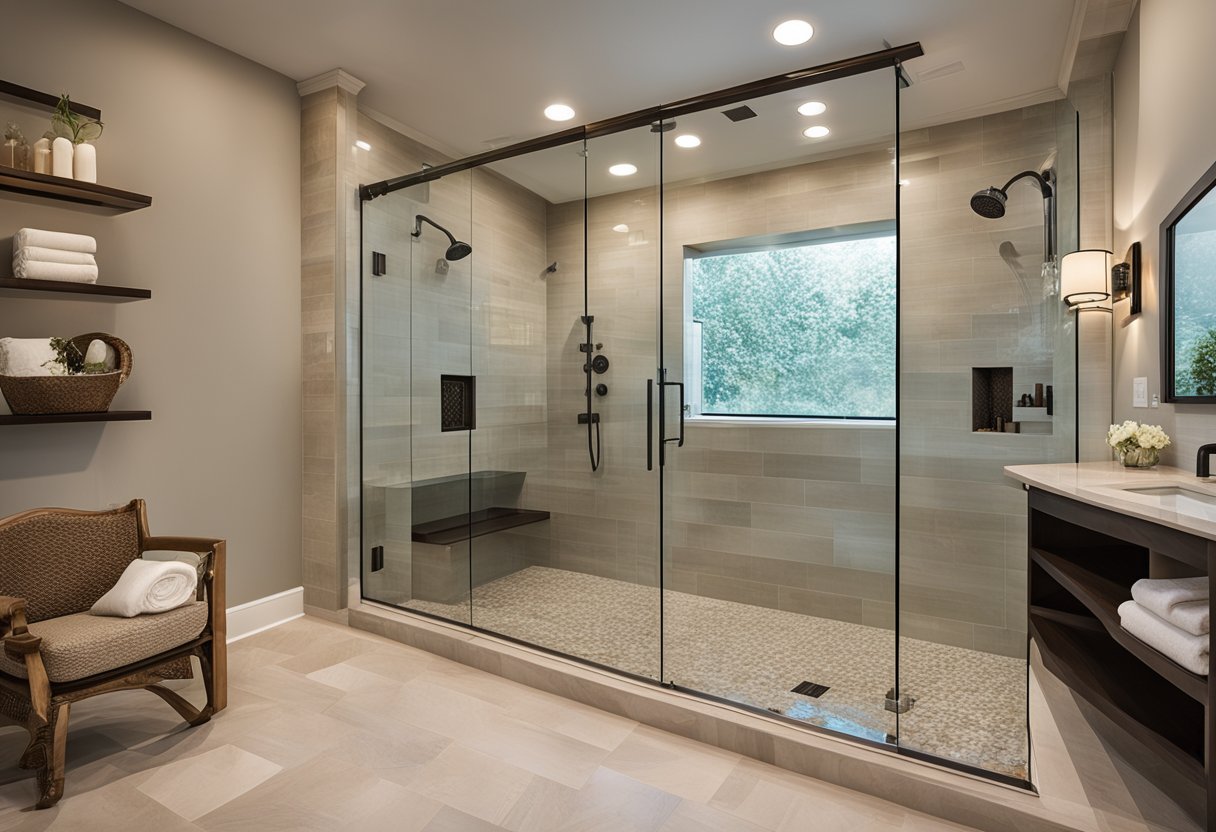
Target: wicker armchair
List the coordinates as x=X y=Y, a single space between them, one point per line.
x=54 y=564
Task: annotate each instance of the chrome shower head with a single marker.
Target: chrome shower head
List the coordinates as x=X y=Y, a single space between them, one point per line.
x=456 y=251
x=989 y=203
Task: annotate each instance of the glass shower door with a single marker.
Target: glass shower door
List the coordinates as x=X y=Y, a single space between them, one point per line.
x=779 y=318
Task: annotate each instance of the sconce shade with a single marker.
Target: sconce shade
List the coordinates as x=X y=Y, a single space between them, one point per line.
x=1083 y=276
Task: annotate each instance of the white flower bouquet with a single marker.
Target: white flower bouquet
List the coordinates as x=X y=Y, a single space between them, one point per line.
x=1138 y=446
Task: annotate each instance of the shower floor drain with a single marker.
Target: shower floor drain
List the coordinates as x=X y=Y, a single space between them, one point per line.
x=810 y=689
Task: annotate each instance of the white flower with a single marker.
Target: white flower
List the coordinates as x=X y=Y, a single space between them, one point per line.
x=1131 y=434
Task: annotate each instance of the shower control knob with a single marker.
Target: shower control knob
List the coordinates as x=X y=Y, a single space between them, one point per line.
x=600 y=363
x=601 y=389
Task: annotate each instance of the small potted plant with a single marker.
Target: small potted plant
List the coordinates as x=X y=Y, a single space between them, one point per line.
x=1137 y=445
x=77 y=131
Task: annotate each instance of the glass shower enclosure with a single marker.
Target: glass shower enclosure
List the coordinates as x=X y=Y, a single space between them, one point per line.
x=687 y=395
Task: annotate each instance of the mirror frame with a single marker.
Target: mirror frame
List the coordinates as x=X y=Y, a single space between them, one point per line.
x=1198 y=191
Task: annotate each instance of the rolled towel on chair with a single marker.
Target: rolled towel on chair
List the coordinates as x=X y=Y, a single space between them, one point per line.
x=149 y=586
x=1160 y=595
x=52 y=255
x=61 y=240
x=65 y=272
x=1187 y=650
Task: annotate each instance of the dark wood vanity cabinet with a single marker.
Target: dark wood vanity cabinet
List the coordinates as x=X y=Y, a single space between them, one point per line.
x=1083 y=561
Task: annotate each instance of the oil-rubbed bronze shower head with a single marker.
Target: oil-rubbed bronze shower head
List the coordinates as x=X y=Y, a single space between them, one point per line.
x=456 y=251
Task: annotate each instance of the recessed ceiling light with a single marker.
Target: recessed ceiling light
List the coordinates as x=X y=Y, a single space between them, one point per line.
x=816 y=132
x=813 y=108
x=362 y=145
x=905 y=181
x=623 y=169
x=688 y=140
x=793 y=32
x=620 y=228
x=559 y=112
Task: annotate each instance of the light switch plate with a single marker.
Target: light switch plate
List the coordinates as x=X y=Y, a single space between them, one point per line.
x=1140 y=391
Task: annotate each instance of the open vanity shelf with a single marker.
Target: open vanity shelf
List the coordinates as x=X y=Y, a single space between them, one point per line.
x=11 y=287
x=1083 y=561
x=61 y=418
x=112 y=200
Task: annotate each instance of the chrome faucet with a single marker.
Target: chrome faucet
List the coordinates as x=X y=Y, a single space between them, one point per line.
x=1201 y=460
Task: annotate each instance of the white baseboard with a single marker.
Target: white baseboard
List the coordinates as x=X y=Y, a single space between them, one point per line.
x=262 y=614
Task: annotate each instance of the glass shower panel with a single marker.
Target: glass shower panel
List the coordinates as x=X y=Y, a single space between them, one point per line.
x=988 y=379
x=779 y=317
x=418 y=399
x=565 y=322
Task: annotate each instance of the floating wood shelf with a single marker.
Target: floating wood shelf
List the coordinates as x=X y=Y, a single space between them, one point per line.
x=58 y=418
x=462 y=527
x=57 y=289
x=61 y=189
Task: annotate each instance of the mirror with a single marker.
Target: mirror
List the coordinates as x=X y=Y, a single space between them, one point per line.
x=1188 y=295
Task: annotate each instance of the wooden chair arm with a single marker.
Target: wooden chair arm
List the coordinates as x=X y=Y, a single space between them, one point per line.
x=21 y=645
x=197 y=545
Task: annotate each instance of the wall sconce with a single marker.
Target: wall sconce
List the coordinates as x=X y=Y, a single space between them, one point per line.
x=1125 y=279
x=1083 y=277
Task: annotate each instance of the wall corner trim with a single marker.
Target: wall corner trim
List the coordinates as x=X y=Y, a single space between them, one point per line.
x=334 y=78
x=262 y=614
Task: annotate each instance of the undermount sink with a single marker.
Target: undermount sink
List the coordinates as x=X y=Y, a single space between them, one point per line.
x=1179 y=499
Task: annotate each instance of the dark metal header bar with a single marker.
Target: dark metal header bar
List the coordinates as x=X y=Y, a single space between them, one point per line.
x=859 y=65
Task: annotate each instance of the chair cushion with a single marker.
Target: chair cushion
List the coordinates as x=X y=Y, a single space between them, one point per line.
x=81 y=645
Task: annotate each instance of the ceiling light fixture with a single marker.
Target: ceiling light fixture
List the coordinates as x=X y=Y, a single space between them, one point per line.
x=362 y=145
x=793 y=32
x=812 y=108
x=905 y=181
x=623 y=169
x=620 y=228
x=816 y=132
x=688 y=140
x=559 y=112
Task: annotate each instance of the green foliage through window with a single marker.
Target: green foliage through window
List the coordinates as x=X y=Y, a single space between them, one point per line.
x=805 y=330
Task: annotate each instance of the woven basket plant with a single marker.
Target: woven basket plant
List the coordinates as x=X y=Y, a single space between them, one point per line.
x=80 y=393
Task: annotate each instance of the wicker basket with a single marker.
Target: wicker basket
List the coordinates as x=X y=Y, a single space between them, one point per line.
x=86 y=393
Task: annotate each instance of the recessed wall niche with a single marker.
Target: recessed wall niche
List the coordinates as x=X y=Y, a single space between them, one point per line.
x=991 y=397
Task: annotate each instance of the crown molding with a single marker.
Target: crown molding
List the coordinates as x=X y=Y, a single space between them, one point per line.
x=334 y=78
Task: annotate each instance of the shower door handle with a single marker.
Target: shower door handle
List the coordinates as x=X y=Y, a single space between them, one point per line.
x=679 y=440
x=649 y=424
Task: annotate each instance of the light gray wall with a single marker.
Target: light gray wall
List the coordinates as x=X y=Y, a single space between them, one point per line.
x=1164 y=120
x=214 y=139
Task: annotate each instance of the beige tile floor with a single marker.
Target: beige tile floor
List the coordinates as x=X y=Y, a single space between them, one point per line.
x=333 y=729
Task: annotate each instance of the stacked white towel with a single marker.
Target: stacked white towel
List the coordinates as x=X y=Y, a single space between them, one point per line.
x=1171 y=615
x=54 y=255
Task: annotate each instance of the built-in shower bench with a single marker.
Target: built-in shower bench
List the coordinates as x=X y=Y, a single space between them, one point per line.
x=461 y=527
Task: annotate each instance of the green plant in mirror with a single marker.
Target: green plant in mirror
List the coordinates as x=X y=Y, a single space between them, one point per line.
x=70 y=125
x=1203 y=365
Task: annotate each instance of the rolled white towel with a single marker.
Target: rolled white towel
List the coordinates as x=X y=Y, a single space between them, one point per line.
x=53 y=255
x=64 y=272
x=1160 y=595
x=149 y=586
x=1188 y=650
x=62 y=240
x=28 y=357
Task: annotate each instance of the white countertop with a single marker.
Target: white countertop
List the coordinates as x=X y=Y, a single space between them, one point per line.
x=1105 y=484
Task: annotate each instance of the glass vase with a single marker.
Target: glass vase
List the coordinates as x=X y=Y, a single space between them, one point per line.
x=1139 y=457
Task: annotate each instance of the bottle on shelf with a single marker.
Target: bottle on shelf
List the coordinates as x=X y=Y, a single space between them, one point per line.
x=41 y=156
x=84 y=162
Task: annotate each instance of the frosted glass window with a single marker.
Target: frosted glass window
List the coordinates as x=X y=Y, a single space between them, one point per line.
x=799 y=330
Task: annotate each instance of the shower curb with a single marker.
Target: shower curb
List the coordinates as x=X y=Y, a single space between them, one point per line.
x=920 y=786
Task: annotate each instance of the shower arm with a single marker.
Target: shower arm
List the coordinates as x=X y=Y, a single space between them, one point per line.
x=420 y=219
x=1047 y=188
x=1042 y=181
